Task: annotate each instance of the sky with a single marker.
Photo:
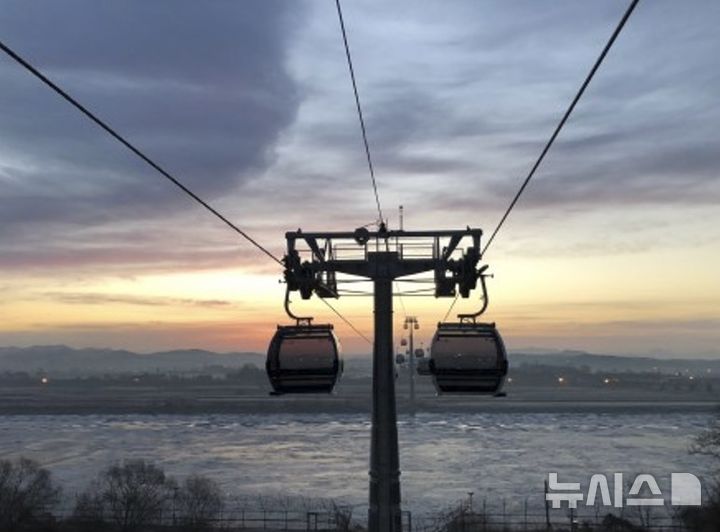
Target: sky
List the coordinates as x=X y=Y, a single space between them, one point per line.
x=613 y=248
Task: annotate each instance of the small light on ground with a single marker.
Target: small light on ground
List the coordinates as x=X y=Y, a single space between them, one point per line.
x=44 y=380
x=561 y=379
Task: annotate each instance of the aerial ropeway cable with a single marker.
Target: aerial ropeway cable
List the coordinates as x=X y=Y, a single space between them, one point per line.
x=359 y=112
x=564 y=119
x=135 y=150
x=92 y=116
x=556 y=132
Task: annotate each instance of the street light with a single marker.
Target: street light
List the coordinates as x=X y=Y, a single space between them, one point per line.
x=412 y=325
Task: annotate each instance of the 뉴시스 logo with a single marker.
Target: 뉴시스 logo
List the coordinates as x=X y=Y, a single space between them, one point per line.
x=685 y=490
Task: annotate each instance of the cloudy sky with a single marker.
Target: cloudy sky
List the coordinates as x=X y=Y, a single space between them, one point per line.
x=613 y=248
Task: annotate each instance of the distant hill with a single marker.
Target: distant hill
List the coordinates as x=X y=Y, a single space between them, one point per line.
x=63 y=360
x=599 y=362
x=362 y=367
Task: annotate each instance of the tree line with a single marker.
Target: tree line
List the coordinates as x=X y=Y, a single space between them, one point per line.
x=126 y=497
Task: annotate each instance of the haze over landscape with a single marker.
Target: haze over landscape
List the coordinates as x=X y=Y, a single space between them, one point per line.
x=613 y=249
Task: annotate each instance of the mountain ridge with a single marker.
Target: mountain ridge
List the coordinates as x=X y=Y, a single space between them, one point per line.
x=61 y=359
x=65 y=360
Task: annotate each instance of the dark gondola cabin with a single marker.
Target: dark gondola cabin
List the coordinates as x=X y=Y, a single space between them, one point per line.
x=303 y=359
x=468 y=358
x=423 y=366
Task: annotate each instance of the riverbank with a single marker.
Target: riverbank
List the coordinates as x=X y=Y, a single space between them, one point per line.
x=57 y=398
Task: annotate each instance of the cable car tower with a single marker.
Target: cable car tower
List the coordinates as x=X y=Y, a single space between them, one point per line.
x=312 y=263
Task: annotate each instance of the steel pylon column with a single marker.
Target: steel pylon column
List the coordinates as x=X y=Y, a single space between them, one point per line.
x=384 y=512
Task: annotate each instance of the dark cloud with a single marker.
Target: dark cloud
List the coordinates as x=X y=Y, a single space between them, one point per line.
x=221 y=44
x=251 y=104
x=85 y=298
x=118 y=256
x=203 y=88
x=470 y=94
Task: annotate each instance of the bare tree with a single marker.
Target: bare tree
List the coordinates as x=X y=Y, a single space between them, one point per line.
x=131 y=495
x=26 y=493
x=343 y=517
x=708 y=441
x=706 y=517
x=200 y=502
x=88 y=514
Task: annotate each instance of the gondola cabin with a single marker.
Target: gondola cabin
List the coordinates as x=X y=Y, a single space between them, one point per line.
x=303 y=359
x=468 y=358
x=423 y=366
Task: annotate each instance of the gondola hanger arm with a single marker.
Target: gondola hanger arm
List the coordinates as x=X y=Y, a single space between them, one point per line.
x=463 y=318
x=299 y=320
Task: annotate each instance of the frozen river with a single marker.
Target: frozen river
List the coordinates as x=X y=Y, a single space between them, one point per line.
x=497 y=456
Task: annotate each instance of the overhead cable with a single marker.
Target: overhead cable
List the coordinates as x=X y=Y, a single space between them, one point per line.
x=92 y=116
x=359 y=112
x=564 y=119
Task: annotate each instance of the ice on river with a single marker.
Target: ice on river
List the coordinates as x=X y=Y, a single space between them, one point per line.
x=498 y=456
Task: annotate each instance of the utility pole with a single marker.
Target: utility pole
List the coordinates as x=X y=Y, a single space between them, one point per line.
x=411 y=324
x=313 y=269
